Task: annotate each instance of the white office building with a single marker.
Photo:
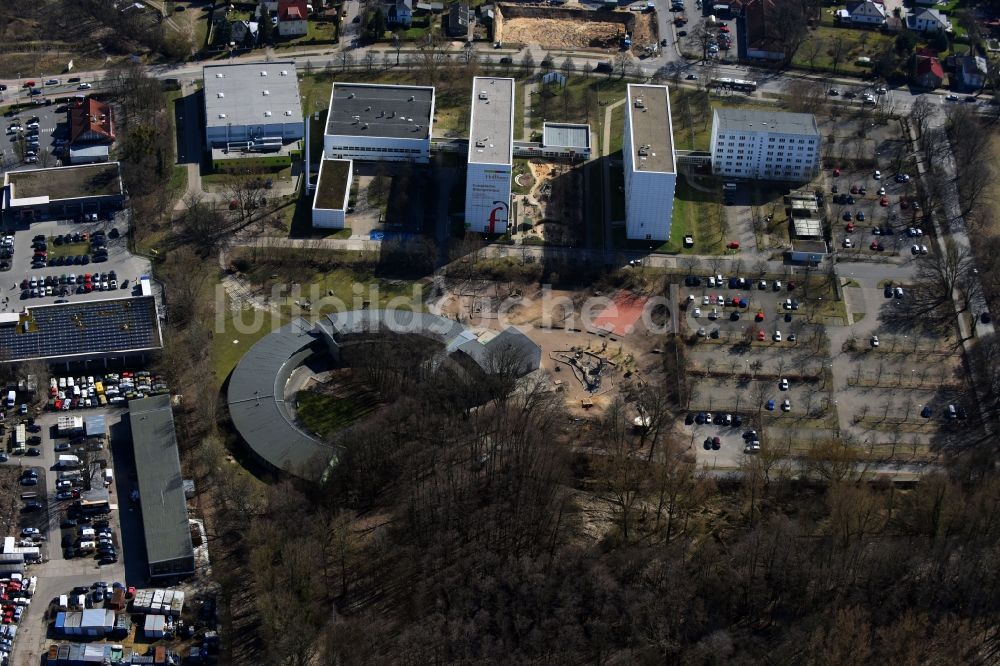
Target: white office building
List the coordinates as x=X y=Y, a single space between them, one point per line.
x=374 y=122
x=256 y=102
x=650 y=167
x=491 y=155
x=766 y=145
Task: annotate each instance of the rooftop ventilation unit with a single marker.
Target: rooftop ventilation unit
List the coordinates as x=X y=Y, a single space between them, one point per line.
x=263 y=72
x=267 y=114
x=350 y=95
x=483 y=95
x=219 y=75
x=221 y=95
x=639 y=104
x=480 y=143
x=365 y=126
x=284 y=72
x=222 y=115
x=367 y=109
x=411 y=98
x=643 y=151
x=266 y=93
x=288 y=112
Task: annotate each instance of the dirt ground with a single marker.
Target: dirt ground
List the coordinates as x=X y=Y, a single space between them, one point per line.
x=552 y=320
x=571 y=34
x=554 y=203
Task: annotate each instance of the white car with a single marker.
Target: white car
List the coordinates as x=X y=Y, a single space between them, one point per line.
x=881 y=191
x=84 y=86
x=788 y=304
x=697 y=312
x=877 y=175
x=777 y=285
x=777 y=336
x=705 y=300
x=783 y=384
x=720 y=299
x=915 y=249
x=848 y=242
x=30 y=531
x=874 y=341
x=923 y=249
x=786 y=406
x=714 y=314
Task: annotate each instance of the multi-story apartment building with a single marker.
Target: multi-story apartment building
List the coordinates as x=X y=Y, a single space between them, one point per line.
x=650 y=167
x=766 y=145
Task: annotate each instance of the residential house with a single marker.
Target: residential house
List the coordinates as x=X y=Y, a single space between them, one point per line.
x=971 y=71
x=760 y=38
x=927 y=70
x=458 y=20
x=293 y=18
x=867 y=12
x=398 y=12
x=928 y=20
x=244 y=33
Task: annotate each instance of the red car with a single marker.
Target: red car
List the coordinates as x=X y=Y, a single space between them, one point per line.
x=876 y=246
x=836 y=172
x=761 y=336
x=884 y=201
x=850 y=227
x=854 y=189
x=759 y=316
x=724 y=28
x=29 y=84
x=736 y=301
x=733 y=245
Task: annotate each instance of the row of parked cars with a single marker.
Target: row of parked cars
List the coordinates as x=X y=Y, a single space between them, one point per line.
x=114 y=388
x=16 y=592
x=62 y=285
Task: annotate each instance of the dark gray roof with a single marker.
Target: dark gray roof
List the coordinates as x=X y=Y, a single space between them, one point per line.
x=779 y=122
x=256 y=394
x=257 y=399
x=161 y=490
x=566 y=135
x=398 y=112
x=66 y=330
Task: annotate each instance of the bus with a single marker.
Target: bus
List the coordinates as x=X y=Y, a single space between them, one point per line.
x=740 y=85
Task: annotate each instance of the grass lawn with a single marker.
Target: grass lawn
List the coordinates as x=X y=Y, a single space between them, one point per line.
x=697 y=214
x=819 y=48
x=617 y=129
x=325 y=414
x=230 y=344
x=320 y=32
x=70 y=250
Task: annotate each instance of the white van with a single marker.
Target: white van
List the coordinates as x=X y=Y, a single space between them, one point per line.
x=68 y=462
x=11 y=398
x=109 y=476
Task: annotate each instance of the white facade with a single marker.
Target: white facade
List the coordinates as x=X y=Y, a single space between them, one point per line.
x=377 y=148
x=650 y=164
x=491 y=155
x=332 y=217
x=765 y=145
x=487 y=197
x=928 y=20
x=867 y=12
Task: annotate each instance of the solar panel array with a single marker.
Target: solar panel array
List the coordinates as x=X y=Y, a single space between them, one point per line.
x=74 y=329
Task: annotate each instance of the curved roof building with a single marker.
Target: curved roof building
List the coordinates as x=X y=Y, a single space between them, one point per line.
x=256 y=395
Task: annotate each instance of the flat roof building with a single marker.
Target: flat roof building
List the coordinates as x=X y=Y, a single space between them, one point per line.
x=650 y=167
x=333 y=189
x=375 y=122
x=38 y=194
x=169 y=551
x=566 y=139
x=253 y=105
x=122 y=328
x=491 y=155
x=765 y=145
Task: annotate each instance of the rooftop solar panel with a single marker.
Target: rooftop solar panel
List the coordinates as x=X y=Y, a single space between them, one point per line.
x=77 y=329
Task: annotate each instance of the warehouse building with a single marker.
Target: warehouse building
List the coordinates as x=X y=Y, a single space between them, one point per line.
x=491 y=155
x=161 y=492
x=253 y=107
x=40 y=194
x=373 y=122
x=650 y=167
x=333 y=189
x=765 y=145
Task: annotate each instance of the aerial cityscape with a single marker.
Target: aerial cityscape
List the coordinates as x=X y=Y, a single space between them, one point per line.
x=566 y=331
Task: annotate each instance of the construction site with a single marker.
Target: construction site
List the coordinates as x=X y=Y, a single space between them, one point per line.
x=576 y=28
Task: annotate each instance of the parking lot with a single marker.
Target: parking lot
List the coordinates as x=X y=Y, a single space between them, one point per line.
x=126 y=266
x=53 y=126
x=57 y=574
